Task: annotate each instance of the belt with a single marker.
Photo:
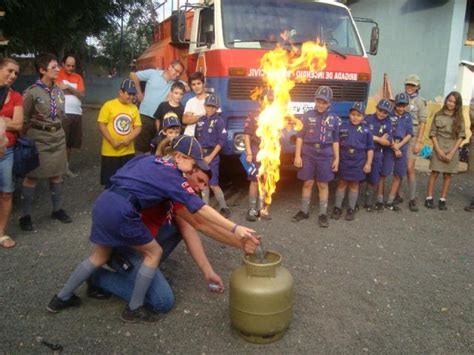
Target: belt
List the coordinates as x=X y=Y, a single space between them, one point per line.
x=128 y=196
x=43 y=127
x=319 y=145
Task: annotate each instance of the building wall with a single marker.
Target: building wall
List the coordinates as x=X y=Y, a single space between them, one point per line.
x=414 y=38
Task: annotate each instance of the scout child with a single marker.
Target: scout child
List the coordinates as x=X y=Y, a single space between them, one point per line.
x=447 y=132
x=119 y=124
x=356 y=152
x=381 y=129
x=396 y=158
x=317 y=154
x=212 y=135
x=171 y=129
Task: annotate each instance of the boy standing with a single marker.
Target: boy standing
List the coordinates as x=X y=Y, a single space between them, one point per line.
x=172 y=107
x=119 y=124
x=194 y=108
x=317 y=154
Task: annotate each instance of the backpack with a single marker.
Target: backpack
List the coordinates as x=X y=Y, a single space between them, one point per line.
x=25 y=157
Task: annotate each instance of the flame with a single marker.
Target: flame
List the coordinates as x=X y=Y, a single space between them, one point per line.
x=279 y=67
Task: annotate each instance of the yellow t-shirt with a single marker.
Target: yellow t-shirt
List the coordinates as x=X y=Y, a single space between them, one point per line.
x=120 y=119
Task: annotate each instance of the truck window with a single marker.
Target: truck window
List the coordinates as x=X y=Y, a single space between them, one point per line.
x=206 y=27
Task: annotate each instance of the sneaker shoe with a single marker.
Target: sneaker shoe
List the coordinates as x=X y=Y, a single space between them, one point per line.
x=442 y=205
x=392 y=207
x=96 y=292
x=350 y=213
x=379 y=207
x=252 y=215
x=412 y=206
x=429 y=203
x=141 y=314
x=336 y=213
x=323 y=221
x=225 y=212
x=70 y=174
x=299 y=216
x=61 y=216
x=369 y=208
x=398 y=199
x=26 y=224
x=469 y=208
x=56 y=304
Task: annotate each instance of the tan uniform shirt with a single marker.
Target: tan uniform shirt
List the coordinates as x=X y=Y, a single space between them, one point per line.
x=418 y=111
x=37 y=106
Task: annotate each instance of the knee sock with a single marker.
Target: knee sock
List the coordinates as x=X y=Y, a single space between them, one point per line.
x=142 y=283
x=305 y=204
x=379 y=198
x=353 y=196
x=79 y=275
x=339 y=198
x=205 y=195
x=252 y=203
x=219 y=195
x=323 y=207
x=412 y=188
x=390 y=199
x=56 y=190
x=369 y=196
x=27 y=194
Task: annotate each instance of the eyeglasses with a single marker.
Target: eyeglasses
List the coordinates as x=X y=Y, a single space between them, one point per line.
x=54 y=67
x=176 y=70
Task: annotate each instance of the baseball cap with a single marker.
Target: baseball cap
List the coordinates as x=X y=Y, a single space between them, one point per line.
x=359 y=107
x=171 y=121
x=385 y=105
x=412 y=79
x=402 y=99
x=190 y=146
x=212 y=100
x=323 y=93
x=128 y=85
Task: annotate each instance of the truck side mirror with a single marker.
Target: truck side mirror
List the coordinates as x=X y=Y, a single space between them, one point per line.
x=178 y=26
x=374 y=40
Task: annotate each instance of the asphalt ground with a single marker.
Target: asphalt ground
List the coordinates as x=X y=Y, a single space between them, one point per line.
x=384 y=283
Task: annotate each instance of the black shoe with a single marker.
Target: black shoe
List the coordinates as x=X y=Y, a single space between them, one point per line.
x=369 y=208
x=56 y=304
x=469 y=208
x=61 y=216
x=429 y=203
x=350 y=213
x=336 y=213
x=225 y=212
x=412 y=206
x=323 y=221
x=379 y=207
x=300 y=216
x=392 y=207
x=96 y=292
x=398 y=200
x=141 y=314
x=26 y=224
x=252 y=215
x=442 y=205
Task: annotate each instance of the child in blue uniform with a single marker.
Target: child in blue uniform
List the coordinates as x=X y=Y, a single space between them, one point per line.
x=381 y=128
x=211 y=133
x=356 y=153
x=171 y=129
x=317 y=154
x=143 y=182
x=396 y=159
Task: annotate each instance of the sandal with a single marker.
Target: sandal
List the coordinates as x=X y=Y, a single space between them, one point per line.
x=7 y=242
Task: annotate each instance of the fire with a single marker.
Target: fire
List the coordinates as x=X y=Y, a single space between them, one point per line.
x=279 y=67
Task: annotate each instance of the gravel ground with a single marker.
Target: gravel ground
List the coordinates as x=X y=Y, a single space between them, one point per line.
x=384 y=283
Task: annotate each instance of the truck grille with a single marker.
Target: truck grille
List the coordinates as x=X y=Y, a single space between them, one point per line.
x=240 y=89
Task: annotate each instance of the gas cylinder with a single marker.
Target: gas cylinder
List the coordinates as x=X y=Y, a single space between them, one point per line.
x=261 y=298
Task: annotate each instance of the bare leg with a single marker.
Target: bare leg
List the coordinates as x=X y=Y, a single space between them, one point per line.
x=446 y=183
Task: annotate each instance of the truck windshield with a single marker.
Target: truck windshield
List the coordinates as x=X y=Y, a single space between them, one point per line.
x=263 y=23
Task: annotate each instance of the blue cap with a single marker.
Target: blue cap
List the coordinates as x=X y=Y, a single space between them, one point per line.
x=402 y=99
x=358 y=106
x=171 y=121
x=128 y=85
x=190 y=146
x=212 y=100
x=385 y=105
x=323 y=93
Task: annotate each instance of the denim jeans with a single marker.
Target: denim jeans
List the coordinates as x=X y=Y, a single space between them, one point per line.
x=121 y=283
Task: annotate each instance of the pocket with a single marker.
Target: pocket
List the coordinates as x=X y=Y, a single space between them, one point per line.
x=132 y=225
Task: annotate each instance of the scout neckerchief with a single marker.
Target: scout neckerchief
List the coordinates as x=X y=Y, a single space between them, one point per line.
x=52 y=98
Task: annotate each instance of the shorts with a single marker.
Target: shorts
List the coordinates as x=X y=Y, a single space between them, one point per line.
x=72 y=126
x=317 y=164
x=400 y=166
x=351 y=165
x=6 y=171
x=110 y=165
x=388 y=161
x=373 y=177
x=148 y=132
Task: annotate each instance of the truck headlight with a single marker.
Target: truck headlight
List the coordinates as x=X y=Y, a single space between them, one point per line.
x=239 y=142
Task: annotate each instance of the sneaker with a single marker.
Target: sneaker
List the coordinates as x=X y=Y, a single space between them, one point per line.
x=442 y=205
x=26 y=224
x=429 y=203
x=336 y=213
x=323 y=221
x=379 y=207
x=392 y=207
x=141 y=314
x=225 y=212
x=96 y=292
x=61 y=216
x=252 y=215
x=350 y=213
x=412 y=206
x=300 y=216
x=369 y=208
x=56 y=304
x=398 y=199
x=70 y=174
x=469 y=208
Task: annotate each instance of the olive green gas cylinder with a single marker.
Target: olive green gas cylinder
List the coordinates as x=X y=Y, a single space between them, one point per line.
x=261 y=298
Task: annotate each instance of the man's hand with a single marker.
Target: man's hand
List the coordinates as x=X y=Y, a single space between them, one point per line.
x=244 y=232
x=249 y=245
x=298 y=162
x=212 y=278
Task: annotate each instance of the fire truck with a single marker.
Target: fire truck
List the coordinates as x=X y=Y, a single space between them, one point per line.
x=225 y=39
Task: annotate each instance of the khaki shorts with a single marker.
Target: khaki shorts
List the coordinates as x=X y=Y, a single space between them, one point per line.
x=72 y=126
